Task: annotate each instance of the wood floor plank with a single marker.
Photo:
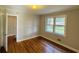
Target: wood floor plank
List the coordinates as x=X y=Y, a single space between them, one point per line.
x=34 y=45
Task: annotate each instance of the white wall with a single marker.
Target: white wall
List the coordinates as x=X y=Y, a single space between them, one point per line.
x=27 y=26
x=2 y=17
x=72 y=29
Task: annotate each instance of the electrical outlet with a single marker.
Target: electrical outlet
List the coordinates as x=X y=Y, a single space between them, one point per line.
x=60 y=41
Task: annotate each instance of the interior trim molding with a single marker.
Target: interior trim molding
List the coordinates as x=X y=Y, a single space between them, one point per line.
x=27 y=38
x=11 y=35
x=73 y=49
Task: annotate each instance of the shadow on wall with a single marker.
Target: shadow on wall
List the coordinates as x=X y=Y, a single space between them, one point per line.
x=2 y=50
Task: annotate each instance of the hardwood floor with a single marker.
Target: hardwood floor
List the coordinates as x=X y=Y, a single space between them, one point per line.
x=34 y=45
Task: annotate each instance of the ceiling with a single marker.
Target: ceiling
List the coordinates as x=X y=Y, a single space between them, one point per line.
x=45 y=10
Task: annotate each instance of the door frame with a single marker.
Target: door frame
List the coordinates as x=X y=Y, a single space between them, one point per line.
x=7 y=28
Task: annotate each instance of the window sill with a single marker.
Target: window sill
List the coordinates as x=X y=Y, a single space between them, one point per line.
x=59 y=35
x=52 y=33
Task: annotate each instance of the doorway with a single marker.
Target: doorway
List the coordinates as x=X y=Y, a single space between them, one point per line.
x=12 y=25
x=11 y=28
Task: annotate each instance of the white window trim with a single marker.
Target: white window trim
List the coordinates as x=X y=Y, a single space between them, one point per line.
x=55 y=25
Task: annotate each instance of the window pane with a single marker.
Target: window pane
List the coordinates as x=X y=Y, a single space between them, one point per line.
x=59 y=30
x=49 y=28
x=60 y=21
x=50 y=21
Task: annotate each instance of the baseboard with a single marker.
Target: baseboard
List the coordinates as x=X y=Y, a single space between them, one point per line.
x=73 y=49
x=27 y=38
x=11 y=35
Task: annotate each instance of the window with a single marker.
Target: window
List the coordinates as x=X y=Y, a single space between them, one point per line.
x=55 y=25
x=49 y=24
